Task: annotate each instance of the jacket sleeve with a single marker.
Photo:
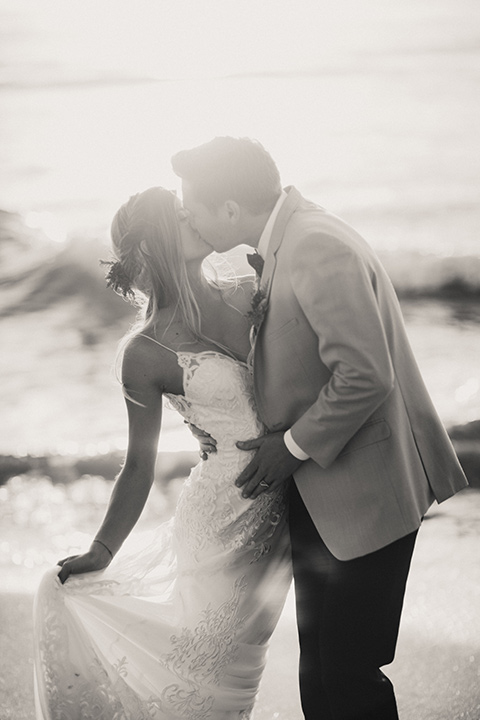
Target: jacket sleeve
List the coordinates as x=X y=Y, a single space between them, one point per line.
x=336 y=290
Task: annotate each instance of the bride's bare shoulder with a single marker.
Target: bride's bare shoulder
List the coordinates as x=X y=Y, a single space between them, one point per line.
x=147 y=362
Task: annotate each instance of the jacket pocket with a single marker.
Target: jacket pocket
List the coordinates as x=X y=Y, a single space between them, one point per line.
x=369 y=434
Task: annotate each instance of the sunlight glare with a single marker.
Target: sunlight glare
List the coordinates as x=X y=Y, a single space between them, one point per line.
x=468 y=390
x=48 y=223
x=194 y=38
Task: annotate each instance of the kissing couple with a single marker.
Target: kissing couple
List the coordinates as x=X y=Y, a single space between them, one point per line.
x=322 y=454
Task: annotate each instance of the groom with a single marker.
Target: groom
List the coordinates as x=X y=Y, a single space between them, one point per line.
x=347 y=414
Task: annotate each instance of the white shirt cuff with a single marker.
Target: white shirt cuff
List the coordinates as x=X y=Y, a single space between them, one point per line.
x=293 y=447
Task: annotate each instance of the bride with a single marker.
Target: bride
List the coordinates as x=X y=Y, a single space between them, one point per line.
x=180 y=628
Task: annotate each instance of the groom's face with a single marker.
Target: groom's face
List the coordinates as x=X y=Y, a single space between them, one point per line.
x=213 y=225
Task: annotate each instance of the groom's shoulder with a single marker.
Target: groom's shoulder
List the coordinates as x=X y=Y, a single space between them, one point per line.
x=312 y=223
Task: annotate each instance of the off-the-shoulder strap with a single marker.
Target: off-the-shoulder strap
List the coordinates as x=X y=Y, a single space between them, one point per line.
x=158 y=343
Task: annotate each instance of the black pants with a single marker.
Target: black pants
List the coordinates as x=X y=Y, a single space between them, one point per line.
x=348 y=615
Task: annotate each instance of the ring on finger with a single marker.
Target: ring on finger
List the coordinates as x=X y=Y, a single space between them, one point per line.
x=263 y=484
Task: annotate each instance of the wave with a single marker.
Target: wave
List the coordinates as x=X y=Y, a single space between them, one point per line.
x=416 y=274
x=40 y=274
x=54 y=83
x=45 y=75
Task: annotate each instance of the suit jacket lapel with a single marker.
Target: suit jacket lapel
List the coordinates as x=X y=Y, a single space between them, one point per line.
x=265 y=282
x=286 y=211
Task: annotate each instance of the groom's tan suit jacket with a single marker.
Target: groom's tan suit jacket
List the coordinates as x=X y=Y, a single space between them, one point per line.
x=333 y=363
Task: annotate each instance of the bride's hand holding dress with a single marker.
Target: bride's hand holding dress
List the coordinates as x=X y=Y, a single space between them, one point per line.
x=98 y=557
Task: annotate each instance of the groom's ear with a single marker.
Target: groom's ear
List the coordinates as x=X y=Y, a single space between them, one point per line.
x=233 y=211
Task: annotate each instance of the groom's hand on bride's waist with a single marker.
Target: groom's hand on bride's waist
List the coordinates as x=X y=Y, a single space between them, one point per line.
x=272 y=465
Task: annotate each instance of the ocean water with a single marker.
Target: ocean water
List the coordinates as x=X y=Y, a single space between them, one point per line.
x=370 y=109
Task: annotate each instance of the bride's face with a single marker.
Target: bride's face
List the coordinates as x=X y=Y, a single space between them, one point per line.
x=193 y=246
x=213 y=226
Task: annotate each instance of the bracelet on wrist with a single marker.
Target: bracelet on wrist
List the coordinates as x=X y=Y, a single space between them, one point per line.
x=106 y=548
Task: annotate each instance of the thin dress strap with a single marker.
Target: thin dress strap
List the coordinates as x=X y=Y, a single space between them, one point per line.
x=225 y=350
x=158 y=343
x=125 y=392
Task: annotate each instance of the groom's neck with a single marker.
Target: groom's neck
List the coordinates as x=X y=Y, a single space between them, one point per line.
x=254 y=228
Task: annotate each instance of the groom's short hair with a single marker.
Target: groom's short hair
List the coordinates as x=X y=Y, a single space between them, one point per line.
x=228 y=168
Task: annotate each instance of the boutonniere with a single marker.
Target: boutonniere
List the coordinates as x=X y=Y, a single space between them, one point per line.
x=259 y=308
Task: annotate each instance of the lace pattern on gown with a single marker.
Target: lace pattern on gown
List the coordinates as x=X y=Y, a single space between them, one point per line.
x=178 y=629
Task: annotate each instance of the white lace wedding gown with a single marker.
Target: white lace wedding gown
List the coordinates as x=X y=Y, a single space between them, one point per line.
x=179 y=629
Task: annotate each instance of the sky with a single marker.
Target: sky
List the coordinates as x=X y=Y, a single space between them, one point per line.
x=363 y=103
x=205 y=38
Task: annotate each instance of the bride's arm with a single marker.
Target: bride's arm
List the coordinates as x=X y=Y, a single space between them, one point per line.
x=133 y=484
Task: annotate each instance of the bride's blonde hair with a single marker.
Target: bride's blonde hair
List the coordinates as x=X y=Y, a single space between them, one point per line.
x=150 y=269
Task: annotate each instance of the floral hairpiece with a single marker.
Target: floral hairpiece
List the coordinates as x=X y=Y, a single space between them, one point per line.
x=119 y=280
